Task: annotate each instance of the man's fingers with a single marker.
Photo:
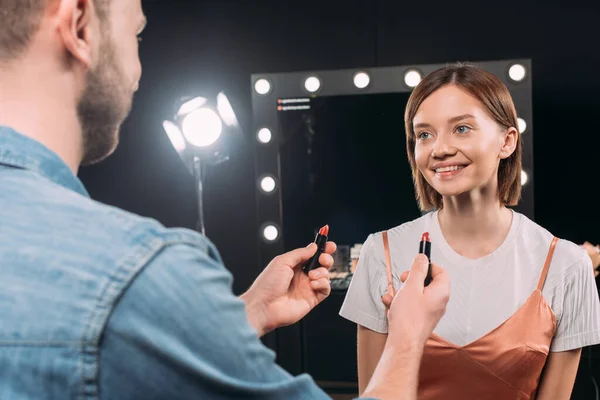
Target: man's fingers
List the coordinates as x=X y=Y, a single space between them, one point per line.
x=440 y=283
x=319 y=273
x=298 y=256
x=418 y=272
x=439 y=276
x=387 y=300
x=302 y=255
x=437 y=270
x=330 y=247
x=326 y=260
x=321 y=285
x=404 y=276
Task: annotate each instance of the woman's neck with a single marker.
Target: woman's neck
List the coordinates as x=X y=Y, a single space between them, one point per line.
x=474 y=229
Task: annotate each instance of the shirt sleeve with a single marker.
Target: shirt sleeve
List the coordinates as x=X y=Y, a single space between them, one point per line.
x=579 y=323
x=178 y=332
x=363 y=304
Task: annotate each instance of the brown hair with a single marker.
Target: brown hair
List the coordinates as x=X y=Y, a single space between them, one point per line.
x=20 y=20
x=494 y=95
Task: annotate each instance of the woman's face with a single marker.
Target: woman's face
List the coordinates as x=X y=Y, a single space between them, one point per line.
x=458 y=144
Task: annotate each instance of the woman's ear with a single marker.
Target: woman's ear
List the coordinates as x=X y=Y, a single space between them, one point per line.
x=509 y=143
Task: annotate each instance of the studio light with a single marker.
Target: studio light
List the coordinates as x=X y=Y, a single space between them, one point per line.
x=361 y=80
x=199 y=125
x=191 y=105
x=522 y=125
x=175 y=136
x=412 y=78
x=264 y=135
x=524 y=178
x=202 y=127
x=517 y=72
x=312 y=84
x=268 y=184
x=262 y=86
x=226 y=111
x=204 y=131
x=270 y=232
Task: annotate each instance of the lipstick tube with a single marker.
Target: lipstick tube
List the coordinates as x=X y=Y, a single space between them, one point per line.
x=425 y=248
x=321 y=241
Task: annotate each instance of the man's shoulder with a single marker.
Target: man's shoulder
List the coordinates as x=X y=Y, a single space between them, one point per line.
x=37 y=205
x=74 y=257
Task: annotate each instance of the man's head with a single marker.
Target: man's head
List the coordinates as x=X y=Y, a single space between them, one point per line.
x=91 y=47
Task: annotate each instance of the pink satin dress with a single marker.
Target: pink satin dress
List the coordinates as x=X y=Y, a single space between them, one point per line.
x=504 y=364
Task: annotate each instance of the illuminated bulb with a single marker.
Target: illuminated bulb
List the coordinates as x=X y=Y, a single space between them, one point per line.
x=522 y=125
x=267 y=184
x=517 y=72
x=262 y=86
x=412 y=78
x=270 y=233
x=524 y=178
x=202 y=127
x=312 y=84
x=264 y=135
x=361 y=80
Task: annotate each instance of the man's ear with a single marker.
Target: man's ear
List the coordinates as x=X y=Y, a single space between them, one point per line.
x=75 y=29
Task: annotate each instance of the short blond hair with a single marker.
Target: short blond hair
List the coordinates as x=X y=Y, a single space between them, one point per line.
x=494 y=95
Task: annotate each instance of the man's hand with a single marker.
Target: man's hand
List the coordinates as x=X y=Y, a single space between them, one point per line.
x=594 y=253
x=414 y=313
x=415 y=310
x=283 y=294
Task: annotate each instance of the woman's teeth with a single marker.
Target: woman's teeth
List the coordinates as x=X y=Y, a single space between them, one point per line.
x=449 y=169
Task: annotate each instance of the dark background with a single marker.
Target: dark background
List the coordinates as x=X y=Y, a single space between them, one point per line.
x=200 y=47
x=344 y=163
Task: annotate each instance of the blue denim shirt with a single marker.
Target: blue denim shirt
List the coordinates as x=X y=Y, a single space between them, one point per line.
x=97 y=303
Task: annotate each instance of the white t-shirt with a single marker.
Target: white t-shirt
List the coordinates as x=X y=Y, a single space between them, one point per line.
x=487 y=291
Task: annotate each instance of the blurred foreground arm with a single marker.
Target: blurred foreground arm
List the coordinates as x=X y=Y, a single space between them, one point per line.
x=413 y=314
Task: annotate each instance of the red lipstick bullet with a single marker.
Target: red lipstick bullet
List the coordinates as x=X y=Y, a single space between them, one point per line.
x=320 y=240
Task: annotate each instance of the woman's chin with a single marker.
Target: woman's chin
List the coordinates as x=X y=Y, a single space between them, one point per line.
x=452 y=192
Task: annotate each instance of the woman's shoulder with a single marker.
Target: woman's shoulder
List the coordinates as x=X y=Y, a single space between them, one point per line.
x=400 y=234
x=538 y=239
x=406 y=228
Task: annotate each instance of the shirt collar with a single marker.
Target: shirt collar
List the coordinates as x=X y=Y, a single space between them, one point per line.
x=19 y=151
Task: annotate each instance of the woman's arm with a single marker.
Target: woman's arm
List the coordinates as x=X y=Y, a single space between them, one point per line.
x=370 y=348
x=558 y=376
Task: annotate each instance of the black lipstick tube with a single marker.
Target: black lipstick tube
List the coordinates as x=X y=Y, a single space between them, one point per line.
x=425 y=248
x=313 y=262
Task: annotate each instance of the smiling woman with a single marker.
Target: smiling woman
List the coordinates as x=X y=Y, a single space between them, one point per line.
x=474 y=107
x=523 y=303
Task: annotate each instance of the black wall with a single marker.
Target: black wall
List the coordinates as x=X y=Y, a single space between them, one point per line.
x=195 y=47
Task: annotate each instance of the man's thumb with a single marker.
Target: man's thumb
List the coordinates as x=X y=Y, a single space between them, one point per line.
x=301 y=255
x=418 y=270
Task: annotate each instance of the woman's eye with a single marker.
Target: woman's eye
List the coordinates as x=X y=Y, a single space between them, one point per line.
x=423 y=135
x=463 y=129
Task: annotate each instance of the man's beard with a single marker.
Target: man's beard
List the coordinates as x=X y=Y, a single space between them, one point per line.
x=103 y=107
